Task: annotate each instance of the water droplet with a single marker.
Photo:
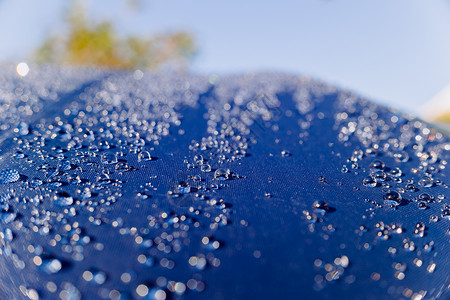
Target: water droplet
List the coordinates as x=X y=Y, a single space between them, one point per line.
x=198 y=262
x=64 y=165
x=401 y=156
x=322 y=179
x=7 y=235
x=379 y=176
x=426 y=182
x=369 y=181
x=36 y=182
x=392 y=198
x=62 y=199
x=410 y=187
x=74 y=179
x=372 y=152
x=19 y=155
x=222 y=174
x=198 y=159
x=4 y=206
x=146 y=261
x=210 y=243
x=48 y=265
x=320 y=207
x=94 y=277
x=377 y=164
x=396 y=172
x=434 y=219
x=103 y=179
x=7 y=216
x=357 y=155
x=23 y=128
x=445 y=213
x=69 y=292
x=139 y=142
x=205 y=168
x=425 y=197
x=285 y=153
x=55 y=184
x=122 y=167
x=422 y=205
x=183 y=188
x=144 y=156
x=109 y=158
x=197 y=178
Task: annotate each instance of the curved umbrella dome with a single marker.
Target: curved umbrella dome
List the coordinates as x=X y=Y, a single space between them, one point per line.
x=132 y=185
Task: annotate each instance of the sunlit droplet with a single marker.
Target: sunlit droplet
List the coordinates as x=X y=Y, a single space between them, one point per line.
x=22 y=69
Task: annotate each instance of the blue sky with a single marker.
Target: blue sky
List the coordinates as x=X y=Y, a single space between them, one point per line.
x=395 y=52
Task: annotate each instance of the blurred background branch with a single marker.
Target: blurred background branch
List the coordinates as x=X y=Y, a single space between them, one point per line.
x=87 y=43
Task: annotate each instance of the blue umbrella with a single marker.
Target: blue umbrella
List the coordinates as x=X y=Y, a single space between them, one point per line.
x=133 y=185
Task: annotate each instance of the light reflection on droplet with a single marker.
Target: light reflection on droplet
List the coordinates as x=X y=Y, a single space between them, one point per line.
x=22 y=69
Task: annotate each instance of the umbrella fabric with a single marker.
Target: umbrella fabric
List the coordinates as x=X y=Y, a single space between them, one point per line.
x=133 y=185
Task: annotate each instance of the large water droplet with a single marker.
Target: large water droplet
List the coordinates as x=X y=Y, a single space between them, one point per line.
x=396 y=172
x=222 y=174
x=205 y=168
x=426 y=182
x=377 y=164
x=445 y=213
x=392 y=198
x=422 y=205
x=369 y=181
x=144 y=155
x=198 y=159
x=425 y=197
x=103 y=179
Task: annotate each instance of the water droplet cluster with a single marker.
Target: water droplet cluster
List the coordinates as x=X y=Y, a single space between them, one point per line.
x=119 y=185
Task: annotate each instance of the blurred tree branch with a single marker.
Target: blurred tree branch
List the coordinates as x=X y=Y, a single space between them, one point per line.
x=91 y=44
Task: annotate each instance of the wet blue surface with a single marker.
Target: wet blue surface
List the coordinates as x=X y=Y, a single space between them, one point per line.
x=292 y=219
